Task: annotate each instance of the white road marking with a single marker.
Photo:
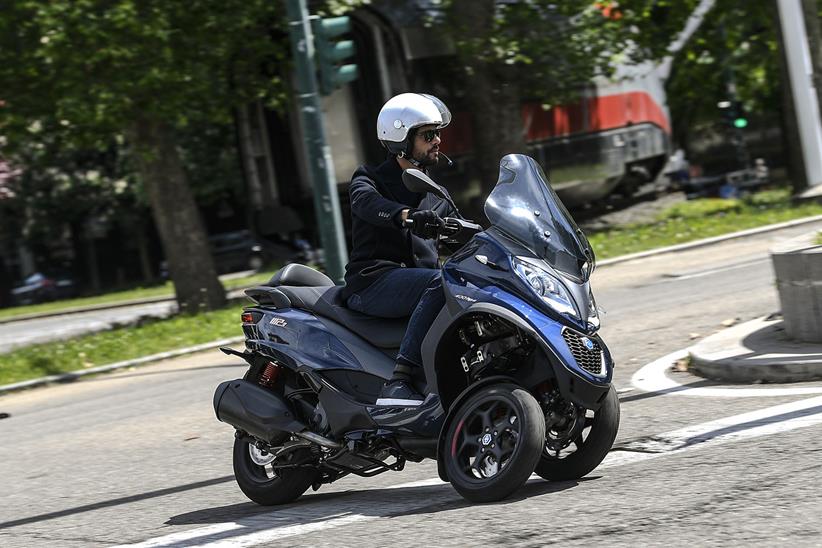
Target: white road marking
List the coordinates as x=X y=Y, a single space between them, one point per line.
x=708 y=272
x=763 y=422
x=175 y=538
x=772 y=420
x=652 y=378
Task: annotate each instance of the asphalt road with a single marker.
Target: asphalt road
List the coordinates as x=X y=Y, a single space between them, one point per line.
x=137 y=456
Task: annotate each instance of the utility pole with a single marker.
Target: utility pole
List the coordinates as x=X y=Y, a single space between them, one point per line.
x=806 y=105
x=317 y=151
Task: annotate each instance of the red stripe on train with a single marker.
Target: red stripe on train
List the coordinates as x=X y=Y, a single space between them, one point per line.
x=584 y=116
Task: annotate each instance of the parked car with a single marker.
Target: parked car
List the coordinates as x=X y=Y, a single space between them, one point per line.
x=39 y=288
x=241 y=250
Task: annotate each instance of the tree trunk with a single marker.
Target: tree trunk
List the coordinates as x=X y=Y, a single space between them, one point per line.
x=142 y=249
x=491 y=92
x=182 y=234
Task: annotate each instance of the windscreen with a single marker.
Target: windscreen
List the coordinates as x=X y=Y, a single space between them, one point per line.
x=526 y=208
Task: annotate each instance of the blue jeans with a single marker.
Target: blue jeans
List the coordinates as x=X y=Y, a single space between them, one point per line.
x=402 y=292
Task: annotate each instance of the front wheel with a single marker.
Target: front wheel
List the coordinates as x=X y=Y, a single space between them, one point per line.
x=578 y=439
x=263 y=483
x=494 y=442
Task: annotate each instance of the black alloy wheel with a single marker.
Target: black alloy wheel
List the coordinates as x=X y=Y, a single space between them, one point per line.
x=265 y=484
x=578 y=439
x=493 y=442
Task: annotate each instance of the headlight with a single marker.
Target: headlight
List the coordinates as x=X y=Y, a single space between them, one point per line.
x=593 y=311
x=546 y=286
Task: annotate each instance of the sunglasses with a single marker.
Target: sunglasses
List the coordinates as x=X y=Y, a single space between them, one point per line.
x=430 y=134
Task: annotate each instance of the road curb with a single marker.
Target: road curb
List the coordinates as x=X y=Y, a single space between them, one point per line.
x=756 y=351
x=75 y=375
x=709 y=241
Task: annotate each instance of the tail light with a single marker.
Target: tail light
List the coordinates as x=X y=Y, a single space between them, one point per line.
x=247 y=317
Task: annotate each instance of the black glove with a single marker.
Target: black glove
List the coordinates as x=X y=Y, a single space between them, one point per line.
x=426 y=223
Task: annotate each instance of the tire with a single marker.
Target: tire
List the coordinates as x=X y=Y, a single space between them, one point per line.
x=594 y=447
x=286 y=486
x=493 y=442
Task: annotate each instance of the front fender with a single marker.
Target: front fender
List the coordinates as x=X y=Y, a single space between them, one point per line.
x=574 y=384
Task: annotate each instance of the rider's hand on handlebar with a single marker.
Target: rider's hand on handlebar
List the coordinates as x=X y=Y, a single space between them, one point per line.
x=425 y=223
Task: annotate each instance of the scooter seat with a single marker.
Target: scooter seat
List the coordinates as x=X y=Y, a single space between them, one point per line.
x=326 y=301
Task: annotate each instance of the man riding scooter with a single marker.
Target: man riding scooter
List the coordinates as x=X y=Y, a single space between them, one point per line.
x=394 y=271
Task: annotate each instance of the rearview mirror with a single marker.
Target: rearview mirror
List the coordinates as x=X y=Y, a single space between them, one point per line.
x=417 y=181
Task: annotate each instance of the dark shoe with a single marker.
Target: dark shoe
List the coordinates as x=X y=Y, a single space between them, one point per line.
x=399 y=393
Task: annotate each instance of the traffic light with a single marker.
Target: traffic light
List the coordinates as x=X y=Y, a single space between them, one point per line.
x=733 y=114
x=329 y=53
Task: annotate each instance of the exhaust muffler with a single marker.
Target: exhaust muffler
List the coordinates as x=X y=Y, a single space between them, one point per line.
x=261 y=413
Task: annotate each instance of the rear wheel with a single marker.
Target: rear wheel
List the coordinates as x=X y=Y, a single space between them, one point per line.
x=265 y=484
x=494 y=442
x=577 y=439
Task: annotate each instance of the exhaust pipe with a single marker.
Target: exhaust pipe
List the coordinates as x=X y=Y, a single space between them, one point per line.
x=261 y=413
x=248 y=407
x=319 y=440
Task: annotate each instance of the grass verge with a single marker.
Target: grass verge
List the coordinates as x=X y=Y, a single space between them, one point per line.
x=119 y=344
x=702 y=218
x=164 y=290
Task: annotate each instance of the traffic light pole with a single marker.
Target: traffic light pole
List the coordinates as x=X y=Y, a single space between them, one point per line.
x=742 y=155
x=317 y=151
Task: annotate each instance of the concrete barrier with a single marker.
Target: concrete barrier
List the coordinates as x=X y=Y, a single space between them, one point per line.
x=798 y=268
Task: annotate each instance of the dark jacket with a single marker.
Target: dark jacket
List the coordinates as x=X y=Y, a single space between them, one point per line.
x=380 y=244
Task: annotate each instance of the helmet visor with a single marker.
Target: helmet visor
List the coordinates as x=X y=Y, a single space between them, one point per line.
x=445 y=114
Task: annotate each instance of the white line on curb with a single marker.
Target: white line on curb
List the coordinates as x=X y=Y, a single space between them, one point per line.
x=652 y=378
x=307 y=519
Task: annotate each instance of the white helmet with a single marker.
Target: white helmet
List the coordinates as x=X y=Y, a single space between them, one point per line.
x=405 y=112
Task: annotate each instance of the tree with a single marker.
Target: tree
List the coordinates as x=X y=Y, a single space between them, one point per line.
x=548 y=51
x=146 y=69
x=56 y=193
x=739 y=43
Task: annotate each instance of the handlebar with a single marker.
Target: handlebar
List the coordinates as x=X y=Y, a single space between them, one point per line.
x=451 y=227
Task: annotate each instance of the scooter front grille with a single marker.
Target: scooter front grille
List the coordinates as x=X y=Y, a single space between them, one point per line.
x=589 y=356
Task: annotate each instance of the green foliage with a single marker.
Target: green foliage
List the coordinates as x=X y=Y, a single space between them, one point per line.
x=696 y=209
x=738 y=39
x=96 y=65
x=699 y=219
x=552 y=49
x=60 y=186
x=76 y=75
x=119 y=344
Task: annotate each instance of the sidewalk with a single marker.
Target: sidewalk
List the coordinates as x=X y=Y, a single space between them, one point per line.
x=756 y=351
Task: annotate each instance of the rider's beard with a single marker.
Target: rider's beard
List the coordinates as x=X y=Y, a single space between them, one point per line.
x=427 y=158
